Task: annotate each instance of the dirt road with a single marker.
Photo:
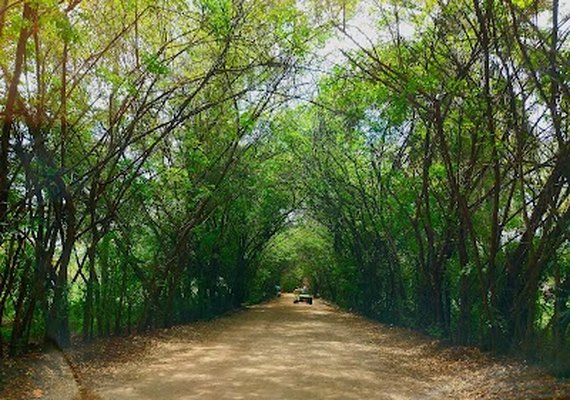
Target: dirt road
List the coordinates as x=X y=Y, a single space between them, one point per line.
x=282 y=350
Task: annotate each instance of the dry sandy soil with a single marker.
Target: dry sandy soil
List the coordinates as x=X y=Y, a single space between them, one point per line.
x=281 y=350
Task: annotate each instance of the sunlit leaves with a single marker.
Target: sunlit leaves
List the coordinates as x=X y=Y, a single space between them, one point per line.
x=217 y=15
x=523 y=3
x=154 y=65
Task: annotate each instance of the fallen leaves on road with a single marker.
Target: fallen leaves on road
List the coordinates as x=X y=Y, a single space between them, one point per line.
x=462 y=372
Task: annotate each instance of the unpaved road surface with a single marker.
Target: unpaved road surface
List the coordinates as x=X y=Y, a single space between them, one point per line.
x=281 y=350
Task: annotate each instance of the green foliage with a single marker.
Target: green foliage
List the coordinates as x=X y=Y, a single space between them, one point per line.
x=143 y=180
x=153 y=173
x=154 y=65
x=302 y=251
x=427 y=180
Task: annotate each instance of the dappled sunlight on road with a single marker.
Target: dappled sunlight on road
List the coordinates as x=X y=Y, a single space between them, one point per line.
x=280 y=350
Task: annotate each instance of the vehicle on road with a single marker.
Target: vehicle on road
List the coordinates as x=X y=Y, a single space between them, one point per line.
x=302 y=296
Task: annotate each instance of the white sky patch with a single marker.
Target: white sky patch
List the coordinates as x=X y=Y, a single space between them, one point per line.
x=544 y=19
x=364 y=30
x=360 y=30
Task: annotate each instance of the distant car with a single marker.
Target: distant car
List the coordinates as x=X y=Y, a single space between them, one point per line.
x=302 y=297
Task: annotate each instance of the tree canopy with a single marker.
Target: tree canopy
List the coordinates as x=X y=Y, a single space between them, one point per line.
x=166 y=161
